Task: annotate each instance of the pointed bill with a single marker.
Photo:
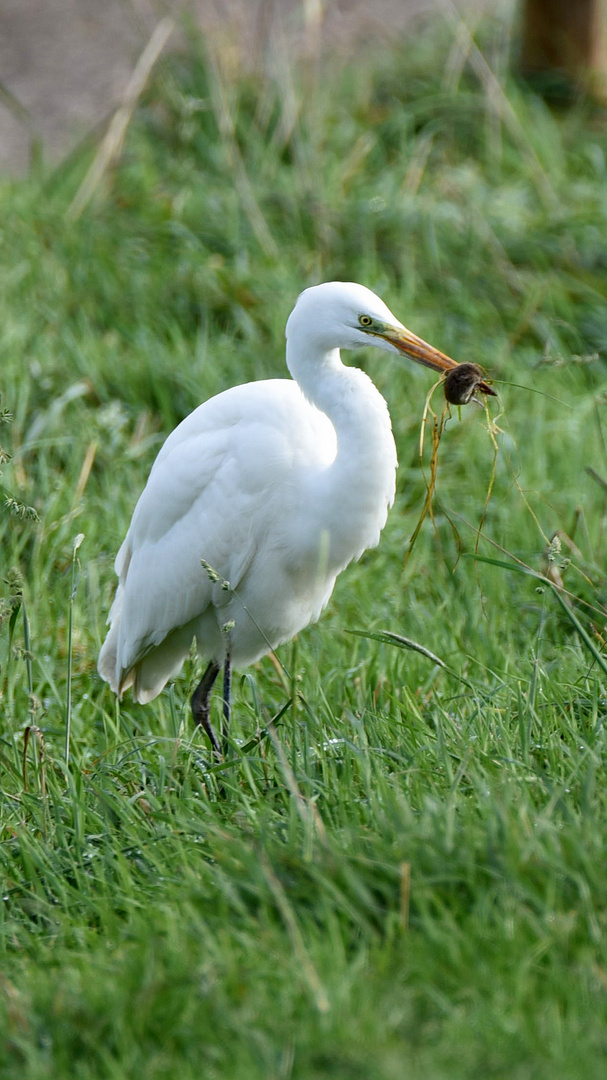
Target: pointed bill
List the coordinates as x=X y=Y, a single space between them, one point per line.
x=419 y=350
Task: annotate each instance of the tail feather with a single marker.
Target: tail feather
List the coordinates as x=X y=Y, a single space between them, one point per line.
x=154 y=670
x=150 y=674
x=107 y=662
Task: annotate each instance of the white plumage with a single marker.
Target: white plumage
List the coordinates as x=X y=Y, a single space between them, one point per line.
x=276 y=485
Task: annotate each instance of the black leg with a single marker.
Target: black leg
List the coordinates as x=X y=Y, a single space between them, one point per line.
x=227 y=687
x=201 y=704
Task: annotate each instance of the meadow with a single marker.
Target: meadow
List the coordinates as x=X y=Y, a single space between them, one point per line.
x=401 y=870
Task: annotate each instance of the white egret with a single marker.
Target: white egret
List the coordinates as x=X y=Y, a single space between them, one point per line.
x=256 y=502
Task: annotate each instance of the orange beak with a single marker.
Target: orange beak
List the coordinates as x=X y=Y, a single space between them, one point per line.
x=419 y=350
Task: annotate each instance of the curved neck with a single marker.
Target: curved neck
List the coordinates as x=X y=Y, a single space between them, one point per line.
x=363 y=470
x=309 y=366
x=346 y=395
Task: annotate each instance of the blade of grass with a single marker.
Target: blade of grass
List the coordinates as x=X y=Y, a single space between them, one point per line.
x=573 y=619
x=388 y=637
x=70 y=627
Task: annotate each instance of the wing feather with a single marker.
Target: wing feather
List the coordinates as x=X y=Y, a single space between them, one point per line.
x=209 y=497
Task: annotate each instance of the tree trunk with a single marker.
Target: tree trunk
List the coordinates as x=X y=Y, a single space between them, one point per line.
x=563 y=44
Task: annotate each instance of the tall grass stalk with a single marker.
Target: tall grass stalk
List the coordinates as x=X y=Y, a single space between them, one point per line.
x=74 y=577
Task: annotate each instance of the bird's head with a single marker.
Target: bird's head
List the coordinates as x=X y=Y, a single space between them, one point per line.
x=344 y=315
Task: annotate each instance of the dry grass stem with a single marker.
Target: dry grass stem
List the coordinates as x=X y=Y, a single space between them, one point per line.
x=437 y=430
x=111 y=146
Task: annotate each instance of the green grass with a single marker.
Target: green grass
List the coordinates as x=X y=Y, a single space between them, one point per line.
x=409 y=878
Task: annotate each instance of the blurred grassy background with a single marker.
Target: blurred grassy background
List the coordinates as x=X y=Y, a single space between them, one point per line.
x=409 y=878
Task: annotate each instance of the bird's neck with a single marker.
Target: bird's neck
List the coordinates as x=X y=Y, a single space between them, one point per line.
x=350 y=399
x=358 y=487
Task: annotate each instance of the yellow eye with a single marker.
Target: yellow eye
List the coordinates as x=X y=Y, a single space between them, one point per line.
x=365 y=320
